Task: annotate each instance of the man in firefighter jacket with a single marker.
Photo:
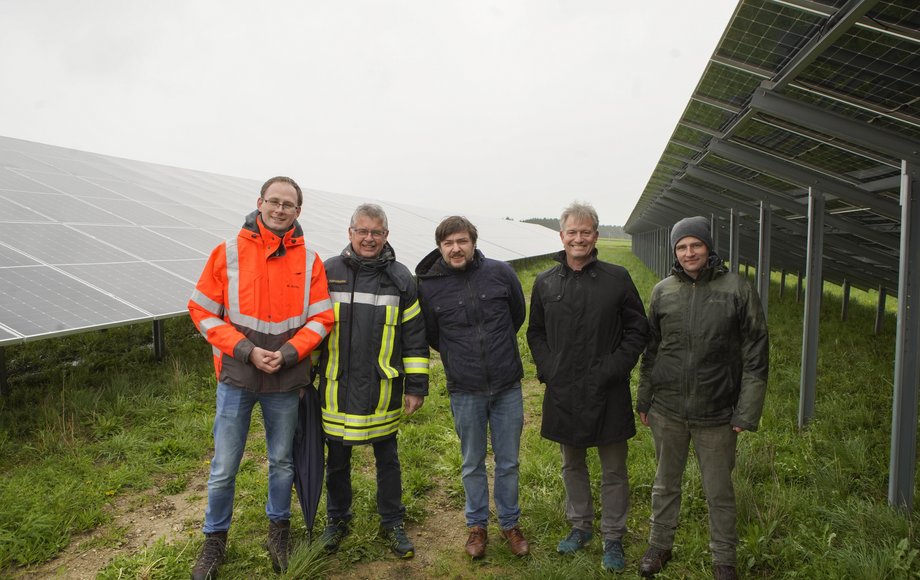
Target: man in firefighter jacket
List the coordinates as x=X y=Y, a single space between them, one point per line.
x=375 y=357
x=263 y=305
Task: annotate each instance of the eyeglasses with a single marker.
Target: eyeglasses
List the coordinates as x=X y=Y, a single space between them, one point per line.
x=284 y=205
x=362 y=233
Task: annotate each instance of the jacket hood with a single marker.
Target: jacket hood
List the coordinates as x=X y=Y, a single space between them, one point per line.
x=251 y=224
x=385 y=263
x=434 y=266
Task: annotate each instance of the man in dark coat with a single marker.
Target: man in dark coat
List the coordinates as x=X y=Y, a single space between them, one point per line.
x=587 y=330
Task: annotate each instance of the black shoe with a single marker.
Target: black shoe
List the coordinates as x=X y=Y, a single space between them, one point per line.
x=211 y=556
x=279 y=543
x=653 y=561
x=332 y=536
x=398 y=541
x=724 y=572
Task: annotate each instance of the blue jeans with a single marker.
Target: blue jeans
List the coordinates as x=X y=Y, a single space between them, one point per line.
x=231 y=426
x=503 y=414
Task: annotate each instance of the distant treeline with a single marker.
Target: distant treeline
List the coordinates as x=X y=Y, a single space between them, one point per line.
x=605 y=231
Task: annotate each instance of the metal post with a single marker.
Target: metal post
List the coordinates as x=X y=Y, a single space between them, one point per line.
x=845 y=304
x=159 y=339
x=714 y=228
x=4 y=386
x=880 y=309
x=782 y=283
x=798 y=288
x=763 y=256
x=734 y=237
x=812 y=307
x=907 y=342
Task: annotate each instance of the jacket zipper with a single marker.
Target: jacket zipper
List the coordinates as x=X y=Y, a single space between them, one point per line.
x=474 y=301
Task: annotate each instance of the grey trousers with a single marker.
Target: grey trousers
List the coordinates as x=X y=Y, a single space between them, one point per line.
x=715 y=453
x=579 y=507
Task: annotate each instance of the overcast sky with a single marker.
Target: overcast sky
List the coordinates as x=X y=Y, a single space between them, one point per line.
x=497 y=107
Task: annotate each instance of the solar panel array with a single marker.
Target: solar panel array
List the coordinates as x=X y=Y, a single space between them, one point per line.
x=91 y=241
x=800 y=93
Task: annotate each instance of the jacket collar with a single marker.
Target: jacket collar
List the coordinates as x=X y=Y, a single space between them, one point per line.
x=560 y=257
x=434 y=266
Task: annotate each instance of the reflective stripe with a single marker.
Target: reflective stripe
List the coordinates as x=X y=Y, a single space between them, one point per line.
x=253 y=323
x=317 y=327
x=309 y=257
x=386 y=393
x=201 y=299
x=207 y=324
x=216 y=351
x=360 y=427
x=415 y=365
x=332 y=399
x=317 y=307
x=331 y=371
x=365 y=298
x=411 y=312
x=387 y=340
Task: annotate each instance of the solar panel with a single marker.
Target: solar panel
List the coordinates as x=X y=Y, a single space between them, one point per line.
x=89 y=241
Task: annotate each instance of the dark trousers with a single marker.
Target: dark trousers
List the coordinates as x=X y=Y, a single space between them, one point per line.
x=389 y=482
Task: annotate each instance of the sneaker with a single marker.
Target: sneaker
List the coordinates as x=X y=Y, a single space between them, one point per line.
x=653 y=561
x=724 y=572
x=211 y=556
x=575 y=541
x=613 y=560
x=398 y=541
x=516 y=541
x=476 y=543
x=279 y=543
x=332 y=536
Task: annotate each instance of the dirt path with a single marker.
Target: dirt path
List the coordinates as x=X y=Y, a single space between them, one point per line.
x=138 y=521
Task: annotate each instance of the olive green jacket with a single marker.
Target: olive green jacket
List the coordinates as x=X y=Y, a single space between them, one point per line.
x=707 y=358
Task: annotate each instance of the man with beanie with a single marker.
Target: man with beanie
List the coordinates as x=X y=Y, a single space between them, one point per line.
x=587 y=330
x=375 y=356
x=703 y=379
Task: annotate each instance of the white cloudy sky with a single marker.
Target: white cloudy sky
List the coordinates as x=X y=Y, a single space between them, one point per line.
x=497 y=107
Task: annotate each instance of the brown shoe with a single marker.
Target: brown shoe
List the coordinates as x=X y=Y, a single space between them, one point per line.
x=724 y=572
x=653 y=561
x=476 y=543
x=516 y=541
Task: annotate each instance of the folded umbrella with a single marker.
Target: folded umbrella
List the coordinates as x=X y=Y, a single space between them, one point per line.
x=308 y=457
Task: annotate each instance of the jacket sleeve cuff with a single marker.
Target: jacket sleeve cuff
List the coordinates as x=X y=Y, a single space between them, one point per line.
x=289 y=354
x=642 y=407
x=242 y=350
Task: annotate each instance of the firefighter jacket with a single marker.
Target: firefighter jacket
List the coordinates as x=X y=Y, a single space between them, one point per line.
x=586 y=332
x=259 y=290
x=472 y=317
x=376 y=349
x=708 y=358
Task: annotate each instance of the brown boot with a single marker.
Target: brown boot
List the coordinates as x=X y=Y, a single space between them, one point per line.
x=279 y=543
x=516 y=541
x=476 y=543
x=211 y=556
x=724 y=572
x=653 y=561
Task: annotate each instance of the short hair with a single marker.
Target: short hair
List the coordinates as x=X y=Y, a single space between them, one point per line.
x=282 y=179
x=371 y=210
x=454 y=225
x=579 y=211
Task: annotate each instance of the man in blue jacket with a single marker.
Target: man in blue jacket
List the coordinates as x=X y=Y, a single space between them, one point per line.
x=473 y=308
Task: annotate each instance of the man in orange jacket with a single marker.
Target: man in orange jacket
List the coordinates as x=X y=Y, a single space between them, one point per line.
x=263 y=304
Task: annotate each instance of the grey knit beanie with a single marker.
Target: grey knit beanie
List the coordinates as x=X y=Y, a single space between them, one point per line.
x=696 y=226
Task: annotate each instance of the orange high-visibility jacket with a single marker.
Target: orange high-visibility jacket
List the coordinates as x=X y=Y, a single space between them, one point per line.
x=261 y=290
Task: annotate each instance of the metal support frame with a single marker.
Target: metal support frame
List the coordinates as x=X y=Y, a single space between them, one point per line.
x=763 y=257
x=714 y=229
x=907 y=343
x=812 y=316
x=782 y=283
x=845 y=302
x=734 y=247
x=880 y=309
x=159 y=339
x=4 y=385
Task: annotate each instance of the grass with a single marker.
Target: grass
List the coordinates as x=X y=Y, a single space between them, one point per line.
x=90 y=421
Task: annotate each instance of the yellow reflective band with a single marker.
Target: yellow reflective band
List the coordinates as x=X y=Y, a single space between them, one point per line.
x=331 y=399
x=386 y=393
x=361 y=427
x=411 y=312
x=387 y=339
x=415 y=365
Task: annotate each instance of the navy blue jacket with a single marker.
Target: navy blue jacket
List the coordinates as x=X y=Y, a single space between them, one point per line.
x=472 y=317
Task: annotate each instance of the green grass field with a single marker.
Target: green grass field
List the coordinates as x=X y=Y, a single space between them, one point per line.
x=90 y=419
